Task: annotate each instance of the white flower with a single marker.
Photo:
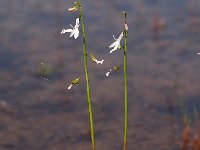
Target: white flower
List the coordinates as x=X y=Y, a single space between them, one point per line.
x=198 y=53
x=74 y=31
x=116 y=45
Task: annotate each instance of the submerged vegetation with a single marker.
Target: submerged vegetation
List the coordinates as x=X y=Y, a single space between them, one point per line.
x=187 y=124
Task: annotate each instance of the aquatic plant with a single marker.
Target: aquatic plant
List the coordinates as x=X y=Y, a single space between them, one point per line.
x=87 y=77
x=75 y=32
x=44 y=71
x=189 y=138
x=116 y=45
x=125 y=82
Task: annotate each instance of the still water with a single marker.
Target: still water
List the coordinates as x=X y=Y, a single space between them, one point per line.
x=37 y=64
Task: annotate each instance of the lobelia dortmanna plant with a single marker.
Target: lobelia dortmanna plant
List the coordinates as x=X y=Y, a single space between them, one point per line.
x=74 y=32
x=115 y=46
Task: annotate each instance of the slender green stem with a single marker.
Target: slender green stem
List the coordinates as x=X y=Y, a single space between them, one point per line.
x=125 y=84
x=87 y=79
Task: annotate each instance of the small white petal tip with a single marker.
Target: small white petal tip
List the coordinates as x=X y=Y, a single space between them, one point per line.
x=99 y=62
x=198 y=53
x=70 y=86
x=112 y=50
x=63 y=31
x=108 y=74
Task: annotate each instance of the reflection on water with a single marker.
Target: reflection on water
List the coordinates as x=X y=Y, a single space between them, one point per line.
x=38 y=114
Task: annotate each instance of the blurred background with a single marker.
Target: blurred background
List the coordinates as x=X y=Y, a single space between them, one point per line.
x=37 y=64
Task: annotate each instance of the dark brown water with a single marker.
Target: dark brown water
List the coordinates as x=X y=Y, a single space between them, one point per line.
x=163 y=68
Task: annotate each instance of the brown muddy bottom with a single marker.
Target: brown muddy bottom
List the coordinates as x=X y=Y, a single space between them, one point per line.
x=37 y=112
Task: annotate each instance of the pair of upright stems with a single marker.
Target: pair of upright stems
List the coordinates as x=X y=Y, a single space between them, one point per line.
x=88 y=85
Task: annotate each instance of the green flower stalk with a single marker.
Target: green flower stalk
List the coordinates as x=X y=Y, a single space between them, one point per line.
x=125 y=81
x=87 y=78
x=115 y=46
x=74 y=32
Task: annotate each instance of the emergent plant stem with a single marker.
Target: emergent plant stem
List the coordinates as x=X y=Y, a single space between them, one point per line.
x=87 y=79
x=125 y=84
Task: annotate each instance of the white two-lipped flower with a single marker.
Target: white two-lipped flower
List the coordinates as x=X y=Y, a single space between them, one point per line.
x=116 y=45
x=74 y=31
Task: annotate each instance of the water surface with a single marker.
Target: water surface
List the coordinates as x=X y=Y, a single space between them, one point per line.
x=38 y=114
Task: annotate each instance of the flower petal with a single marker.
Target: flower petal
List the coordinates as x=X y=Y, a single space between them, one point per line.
x=113 y=50
x=99 y=62
x=107 y=74
x=72 y=33
x=117 y=45
x=120 y=36
x=76 y=33
x=63 y=31
x=70 y=86
x=113 y=44
x=69 y=30
x=77 y=22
